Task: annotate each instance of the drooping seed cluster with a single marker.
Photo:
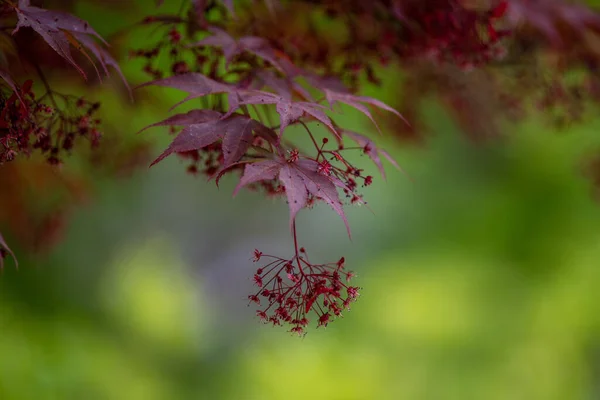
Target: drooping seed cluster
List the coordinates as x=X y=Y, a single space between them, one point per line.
x=289 y=289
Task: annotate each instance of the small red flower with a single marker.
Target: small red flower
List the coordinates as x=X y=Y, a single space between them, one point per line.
x=294 y=156
x=324 y=167
x=254 y=298
x=352 y=292
x=324 y=319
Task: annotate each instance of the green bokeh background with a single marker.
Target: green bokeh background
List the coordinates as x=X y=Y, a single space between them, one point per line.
x=480 y=277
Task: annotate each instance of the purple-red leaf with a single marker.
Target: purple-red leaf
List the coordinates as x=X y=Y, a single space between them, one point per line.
x=295 y=190
x=258 y=171
x=53 y=36
x=237 y=138
x=300 y=179
x=4 y=245
x=258 y=46
x=288 y=111
x=51 y=26
x=372 y=151
x=222 y=39
x=59 y=29
x=103 y=57
x=283 y=87
x=323 y=83
x=322 y=187
x=56 y=20
x=189 y=118
x=204 y=127
x=355 y=101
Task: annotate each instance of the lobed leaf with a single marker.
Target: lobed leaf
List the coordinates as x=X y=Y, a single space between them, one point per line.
x=189 y=118
x=258 y=171
x=322 y=187
x=288 y=111
x=60 y=29
x=103 y=57
x=372 y=151
x=282 y=86
x=204 y=127
x=258 y=46
x=53 y=36
x=295 y=190
x=300 y=179
x=356 y=102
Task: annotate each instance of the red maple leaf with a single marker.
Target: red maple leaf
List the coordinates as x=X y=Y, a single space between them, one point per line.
x=285 y=87
x=288 y=110
x=60 y=30
x=103 y=57
x=300 y=179
x=55 y=27
x=356 y=102
x=258 y=46
x=372 y=151
x=204 y=127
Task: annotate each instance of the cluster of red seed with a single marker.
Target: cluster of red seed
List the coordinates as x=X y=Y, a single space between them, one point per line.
x=293 y=287
x=28 y=123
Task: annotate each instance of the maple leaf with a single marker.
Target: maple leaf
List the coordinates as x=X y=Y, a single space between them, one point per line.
x=300 y=179
x=284 y=87
x=204 y=127
x=356 y=102
x=4 y=245
x=288 y=111
x=258 y=46
x=103 y=57
x=195 y=84
x=53 y=27
x=372 y=151
x=323 y=83
x=258 y=171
